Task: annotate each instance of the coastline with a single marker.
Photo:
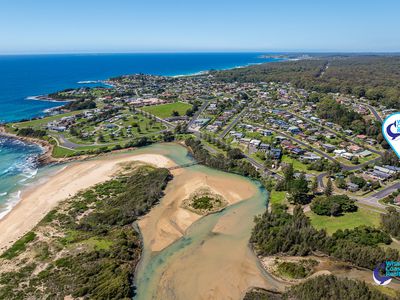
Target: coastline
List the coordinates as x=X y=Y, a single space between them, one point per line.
x=108 y=83
x=48 y=99
x=37 y=201
x=46 y=157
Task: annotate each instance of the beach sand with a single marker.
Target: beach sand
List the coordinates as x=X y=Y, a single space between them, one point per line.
x=37 y=201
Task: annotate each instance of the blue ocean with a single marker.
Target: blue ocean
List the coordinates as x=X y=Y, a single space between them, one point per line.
x=23 y=77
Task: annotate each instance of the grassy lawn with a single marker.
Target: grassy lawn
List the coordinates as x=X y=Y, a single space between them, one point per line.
x=277 y=197
x=298 y=165
x=59 y=152
x=218 y=150
x=363 y=216
x=255 y=157
x=165 y=110
x=40 y=122
x=368 y=158
x=343 y=161
x=140 y=126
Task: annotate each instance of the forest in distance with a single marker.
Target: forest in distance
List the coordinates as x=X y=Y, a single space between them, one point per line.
x=375 y=77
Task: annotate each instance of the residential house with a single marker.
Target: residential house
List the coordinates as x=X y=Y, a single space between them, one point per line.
x=294 y=129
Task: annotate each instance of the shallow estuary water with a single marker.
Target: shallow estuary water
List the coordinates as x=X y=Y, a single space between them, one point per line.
x=212 y=260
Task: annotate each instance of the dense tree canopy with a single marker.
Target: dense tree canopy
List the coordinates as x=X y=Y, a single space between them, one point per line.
x=327 y=287
x=375 y=77
x=333 y=205
x=219 y=161
x=391 y=222
x=278 y=232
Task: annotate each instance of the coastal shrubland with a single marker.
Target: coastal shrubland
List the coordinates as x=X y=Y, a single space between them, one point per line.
x=19 y=246
x=86 y=247
x=30 y=132
x=260 y=294
x=81 y=104
x=332 y=287
x=204 y=201
x=327 y=287
x=279 y=232
x=391 y=222
x=296 y=270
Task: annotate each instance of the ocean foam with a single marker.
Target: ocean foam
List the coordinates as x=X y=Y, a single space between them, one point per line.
x=10 y=203
x=88 y=81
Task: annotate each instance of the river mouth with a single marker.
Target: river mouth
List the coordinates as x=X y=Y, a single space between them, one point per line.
x=187 y=256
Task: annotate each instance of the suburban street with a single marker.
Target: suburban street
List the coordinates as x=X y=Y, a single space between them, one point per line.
x=198 y=113
x=233 y=123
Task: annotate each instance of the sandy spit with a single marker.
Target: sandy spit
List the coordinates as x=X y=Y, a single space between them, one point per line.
x=37 y=201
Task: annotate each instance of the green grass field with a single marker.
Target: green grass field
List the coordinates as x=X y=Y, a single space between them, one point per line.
x=298 y=165
x=165 y=110
x=363 y=216
x=59 y=152
x=277 y=197
x=143 y=126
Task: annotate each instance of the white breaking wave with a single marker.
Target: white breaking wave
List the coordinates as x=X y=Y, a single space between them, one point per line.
x=88 y=81
x=11 y=202
x=36 y=98
x=28 y=174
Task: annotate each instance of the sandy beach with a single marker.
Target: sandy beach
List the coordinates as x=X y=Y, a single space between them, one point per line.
x=36 y=202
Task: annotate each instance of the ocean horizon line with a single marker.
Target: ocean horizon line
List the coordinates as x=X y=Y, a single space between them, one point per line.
x=267 y=52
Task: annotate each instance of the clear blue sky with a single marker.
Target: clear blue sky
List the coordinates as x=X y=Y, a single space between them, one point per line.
x=41 y=26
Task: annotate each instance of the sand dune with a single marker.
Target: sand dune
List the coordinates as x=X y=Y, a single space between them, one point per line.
x=37 y=201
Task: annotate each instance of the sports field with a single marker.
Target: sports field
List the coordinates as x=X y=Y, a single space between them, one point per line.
x=165 y=110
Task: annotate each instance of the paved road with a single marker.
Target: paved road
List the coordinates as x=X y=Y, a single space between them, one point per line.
x=360 y=166
x=322 y=153
x=251 y=160
x=342 y=136
x=197 y=114
x=322 y=175
x=373 y=111
x=65 y=143
x=261 y=167
x=373 y=199
x=343 y=166
x=233 y=123
x=320 y=180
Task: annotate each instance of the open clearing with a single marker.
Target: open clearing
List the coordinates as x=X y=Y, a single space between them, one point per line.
x=165 y=110
x=361 y=217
